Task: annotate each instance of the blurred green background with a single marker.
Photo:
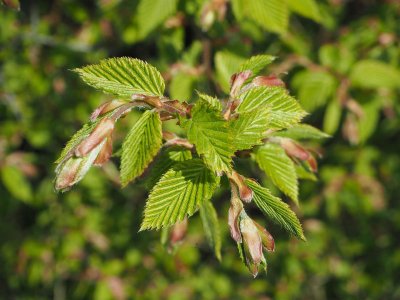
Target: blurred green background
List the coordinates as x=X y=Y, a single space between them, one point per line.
x=340 y=58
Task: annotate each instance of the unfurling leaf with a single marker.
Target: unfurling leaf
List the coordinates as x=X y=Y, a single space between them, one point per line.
x=178 y=194
x=277 y=210
x=273 y=160
x=123 y=77
x=140 y=146
x=209 y=219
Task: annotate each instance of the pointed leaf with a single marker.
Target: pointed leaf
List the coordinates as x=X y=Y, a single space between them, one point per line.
x=140 y=146
x=166 y=160
x=302 y=131
x=213 y=101
x=276 y=209
x=306 y=8
x=209 y=132
x=124 y=77
x=256 y=64
x=375 y=74
x=210 y=222
x=226 y=64
x=179 y=193
x=249 y=128
x=285 y=111
x=272 y=159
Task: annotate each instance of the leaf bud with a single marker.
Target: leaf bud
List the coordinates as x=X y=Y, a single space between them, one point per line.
x=266 y=238
x=235 y=210
x=101 y=132
x=237 y=81
x=67 y=173
x=245 y=193
x=270 y=80
x=106 y=107
x=293 y=149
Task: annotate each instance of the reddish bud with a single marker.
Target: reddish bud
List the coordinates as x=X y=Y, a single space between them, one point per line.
x=106 y=107
x=293 y=149
x=235 y=210
x=313 y=163
x=251 y=241
x=105 y=153
x=102 y=131
x=68 y=172
x=245 y=193
x=266 y=238
x=237 y=81
x=271 y=80
x=178 y=232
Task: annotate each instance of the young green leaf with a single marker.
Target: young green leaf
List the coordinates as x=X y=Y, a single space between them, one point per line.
x=272 y=15
x=284 y=110
x=179 y=193
x=226 y=64
x=152 y=13
x=166 y=160
x=209 y=219
x=249 y=128
x=209 y=132
x=123 y=77
x=302 y=132
x=256 y=64
x=276 y=209
x=332 y=116
x=213 y=101
x=272 y=159
x=306 y=8
x=140 y=146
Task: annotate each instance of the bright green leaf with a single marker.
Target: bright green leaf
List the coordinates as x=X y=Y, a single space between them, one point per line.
x=306 y=8
x=209 y=132
x=276 y=209
x=179 y=193
x=209 y=219
x=256 y=64
x=302 y=131
x=249 y=128
x=332 y=116
x=284 y=110
x=16 y=183
x=213 y=101
x=123 y=77
x=226 y=64
x=272 y=159
x=140 y=146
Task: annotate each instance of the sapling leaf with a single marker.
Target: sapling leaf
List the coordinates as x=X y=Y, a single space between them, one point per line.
x=123 y=77
x=210 y=222
x=276 y=209
x=140 y=146
x=249 y=128
x=209 y=132
x=179 y=193
x=285 y=111
x=272 y=159
x=256 y=64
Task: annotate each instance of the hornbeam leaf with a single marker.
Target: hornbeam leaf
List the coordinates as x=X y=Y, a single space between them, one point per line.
x=165 y=161
x=123 y=77
x=285 y=111
x=213 y=101
x=306 y=8
x=179 y=193
x=249 y=128
x=276 y=209
x=256 y=64
x=140 y=146
x=302 y=132
x=209 y=132
x=209 y=219
x=272 y=159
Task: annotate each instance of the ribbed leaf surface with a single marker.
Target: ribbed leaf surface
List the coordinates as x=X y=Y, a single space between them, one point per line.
x=257 y=63
x=210 y=222
x=272 y=159
x=302 y=132
x=140 y=146
x=213 y=101
x=284 y=110
x=124 y=77
x=276 y=209
x=179 y=193
x=209 y=132
x=249 y=128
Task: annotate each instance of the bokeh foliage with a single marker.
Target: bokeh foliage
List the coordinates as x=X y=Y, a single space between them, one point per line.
x=340 y=58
